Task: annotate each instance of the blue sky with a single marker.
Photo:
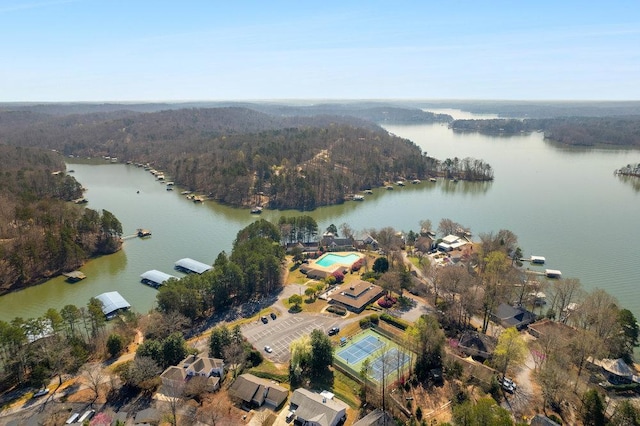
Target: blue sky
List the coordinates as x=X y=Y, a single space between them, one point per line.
x=138 y=50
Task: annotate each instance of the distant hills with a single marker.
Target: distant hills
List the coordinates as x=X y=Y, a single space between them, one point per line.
x=294 y=157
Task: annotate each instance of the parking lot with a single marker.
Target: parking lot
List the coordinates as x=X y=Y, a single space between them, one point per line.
x=279 y=333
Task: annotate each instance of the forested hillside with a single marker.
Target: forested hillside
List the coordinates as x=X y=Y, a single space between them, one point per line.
x=41 y=232
x=243 y=157
x=579 y=131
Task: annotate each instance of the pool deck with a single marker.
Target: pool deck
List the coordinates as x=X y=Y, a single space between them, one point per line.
x=313 y=270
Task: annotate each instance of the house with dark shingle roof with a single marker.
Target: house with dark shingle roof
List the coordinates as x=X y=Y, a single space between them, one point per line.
x=255 y=391
x=513 y=316
x=317 y=409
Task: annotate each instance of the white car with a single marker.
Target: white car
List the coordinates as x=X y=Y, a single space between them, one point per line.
x=268 y=349
x=508 y=385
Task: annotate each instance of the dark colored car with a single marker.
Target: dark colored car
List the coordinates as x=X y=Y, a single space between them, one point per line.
x=272 y=315
x=333 y=331
x=264 y=320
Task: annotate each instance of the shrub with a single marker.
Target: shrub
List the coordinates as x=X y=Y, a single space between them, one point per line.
x=357 y=265
x=339 y=276
x=396 y=322
x=386 y=301
x=337 y=310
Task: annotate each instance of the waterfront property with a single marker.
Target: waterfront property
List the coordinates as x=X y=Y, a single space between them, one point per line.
x=452 y=242
x=513 y=316
x=329 y=263
x=538 y=260
x=155 y=278
x=112 y=303
x=356 y=296
x=188 y=266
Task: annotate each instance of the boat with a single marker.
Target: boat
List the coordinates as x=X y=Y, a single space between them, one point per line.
x=185 y=192
x=358 y=197
x=400 y=183
x=416 y=181
x=197 y=199
x=368 y=191
x=169 y=186
x=433 y=180
x=80 y=201
x=389 y=187
x=256 y=210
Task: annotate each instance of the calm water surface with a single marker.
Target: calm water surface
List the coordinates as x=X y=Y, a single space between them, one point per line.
x=564 y=204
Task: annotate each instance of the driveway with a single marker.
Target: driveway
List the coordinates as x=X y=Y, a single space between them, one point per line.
x=279 y=333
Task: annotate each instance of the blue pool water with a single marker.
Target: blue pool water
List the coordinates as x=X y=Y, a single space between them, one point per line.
x=331 y=258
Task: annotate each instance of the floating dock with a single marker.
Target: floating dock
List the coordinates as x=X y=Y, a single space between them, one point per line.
x=74 y=276
x=143 y=232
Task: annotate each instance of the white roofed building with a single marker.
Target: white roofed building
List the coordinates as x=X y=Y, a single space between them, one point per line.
x=112 y=302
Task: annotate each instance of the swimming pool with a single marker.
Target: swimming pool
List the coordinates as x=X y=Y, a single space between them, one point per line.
x=331 y=258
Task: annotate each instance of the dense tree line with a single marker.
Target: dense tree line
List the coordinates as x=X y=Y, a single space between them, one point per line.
x=253 y=270
x=242 y=157
x=579 y=131
x=34 y=350
x=42 y=233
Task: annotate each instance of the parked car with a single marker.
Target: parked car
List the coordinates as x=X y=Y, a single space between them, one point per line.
x=507 y=384
x=272 y=315
x=333 y=331
x=264 y=320
x=268 y=349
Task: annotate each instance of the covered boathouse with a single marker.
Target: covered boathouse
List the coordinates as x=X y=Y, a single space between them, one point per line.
x=112 y=302
x=155 y=278
x=188 y=266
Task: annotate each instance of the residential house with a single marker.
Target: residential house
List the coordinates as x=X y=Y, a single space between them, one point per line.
x=255 y=391
x=317 y=409
x=476 y=344
x=212 y=369
x=425 y=243
x=452 y=242
x=334 y=243
x=513 y=316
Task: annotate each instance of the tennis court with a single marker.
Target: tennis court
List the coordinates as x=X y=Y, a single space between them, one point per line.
x=383 y=354
x=361 y=349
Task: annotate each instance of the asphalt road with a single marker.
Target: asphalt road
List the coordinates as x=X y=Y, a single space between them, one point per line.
x=279 y=333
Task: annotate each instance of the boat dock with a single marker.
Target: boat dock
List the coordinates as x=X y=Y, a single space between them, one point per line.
x=188 y=266
x=74 y=276
x=155 y=278
x=143 y=232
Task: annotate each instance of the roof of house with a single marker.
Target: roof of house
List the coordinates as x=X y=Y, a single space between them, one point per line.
x=156 y=276
x=247 y=385
x=174 y=373
x=206 y=364
x=376 y=418
x=193 y=265
x=112 y=301
x=514 y=316
x=312 y=406
x=357 y=295
x=477 y=341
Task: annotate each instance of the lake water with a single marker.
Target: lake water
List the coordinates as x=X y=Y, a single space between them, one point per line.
x=562 y=203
